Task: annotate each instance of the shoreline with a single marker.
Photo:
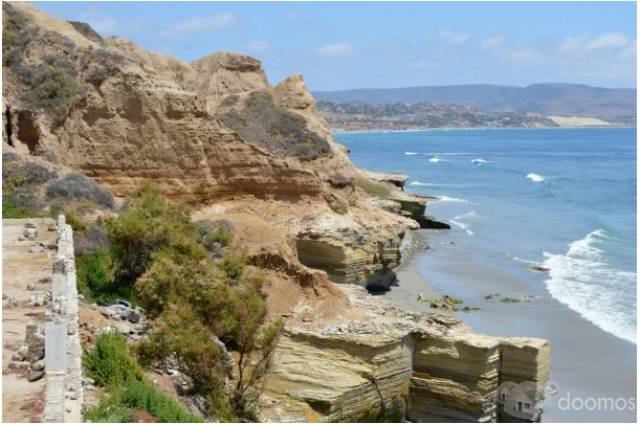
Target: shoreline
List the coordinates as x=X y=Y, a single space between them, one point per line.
x=339 y=131
x=586 y=361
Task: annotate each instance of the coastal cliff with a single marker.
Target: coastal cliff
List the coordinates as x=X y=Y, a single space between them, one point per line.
x=215 y=135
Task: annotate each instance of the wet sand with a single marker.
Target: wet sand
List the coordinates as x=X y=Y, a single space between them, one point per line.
x=586 y=362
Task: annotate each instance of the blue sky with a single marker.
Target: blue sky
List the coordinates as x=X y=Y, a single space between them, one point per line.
x=362 y=45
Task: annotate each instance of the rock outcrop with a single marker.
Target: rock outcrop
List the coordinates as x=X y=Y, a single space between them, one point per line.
x=215 y=134
x=379 y=360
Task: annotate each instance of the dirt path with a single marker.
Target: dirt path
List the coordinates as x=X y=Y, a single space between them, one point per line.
x=22 y=401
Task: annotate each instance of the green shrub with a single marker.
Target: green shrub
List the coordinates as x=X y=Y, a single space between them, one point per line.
x=12 y=208
x=111 y=365
x=212 y=233
x=262 y=122
x=196 y=304
x=95 y=278
x=151 y=224
x=53 y=88
x=109 y=410
x=143 y=395
x=13 y=24
x=372 y=188
x=233 y=264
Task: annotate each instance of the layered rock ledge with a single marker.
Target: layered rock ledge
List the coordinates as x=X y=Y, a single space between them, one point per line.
x=378 y=359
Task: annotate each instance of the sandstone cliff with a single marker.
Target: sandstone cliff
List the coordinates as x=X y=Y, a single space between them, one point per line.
x=215 y=134
x=203 y=132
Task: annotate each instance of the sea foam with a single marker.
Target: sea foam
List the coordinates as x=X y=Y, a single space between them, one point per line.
x=450 y=199
x=456 y=221
x=411 y=153
x=479 y=161
x=582 y=280
x=535 y=177
x=435 y=159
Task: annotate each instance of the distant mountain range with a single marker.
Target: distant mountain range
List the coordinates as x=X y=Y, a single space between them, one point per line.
x=617 y=106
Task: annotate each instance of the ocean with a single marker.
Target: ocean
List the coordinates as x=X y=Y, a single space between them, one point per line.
x=561 y=199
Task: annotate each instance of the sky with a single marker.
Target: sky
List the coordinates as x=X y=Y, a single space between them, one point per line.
x=381 y=45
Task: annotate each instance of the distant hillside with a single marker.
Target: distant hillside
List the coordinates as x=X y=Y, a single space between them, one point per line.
x=616 y=105
x=358 y=116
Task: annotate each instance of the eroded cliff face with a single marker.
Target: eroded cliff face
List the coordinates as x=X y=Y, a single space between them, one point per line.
x=215 y=134
x=203 y=132
x=374 y=359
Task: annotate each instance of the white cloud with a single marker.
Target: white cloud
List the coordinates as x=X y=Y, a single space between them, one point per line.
x=258 y=45
x=202 y=24
x=454 y=37
x=493 y=42
x=608 y=40
x=573 y=43
x=334 y=50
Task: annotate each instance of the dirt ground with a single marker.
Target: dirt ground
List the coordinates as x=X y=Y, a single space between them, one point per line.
x=22 y=401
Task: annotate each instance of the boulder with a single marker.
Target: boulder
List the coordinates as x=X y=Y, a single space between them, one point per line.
x=37 y=365
x=40 y=298
x=36 y=248
x=30 y=233
x=35 y=375
x=19 y=365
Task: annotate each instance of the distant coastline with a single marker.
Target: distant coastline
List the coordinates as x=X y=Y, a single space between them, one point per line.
x=343 y=131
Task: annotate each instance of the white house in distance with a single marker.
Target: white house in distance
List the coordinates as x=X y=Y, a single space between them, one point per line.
x=520 y=401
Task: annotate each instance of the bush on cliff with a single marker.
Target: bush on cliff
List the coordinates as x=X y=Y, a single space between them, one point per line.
x=111 y=365
x=200 y=305
x=150 y=224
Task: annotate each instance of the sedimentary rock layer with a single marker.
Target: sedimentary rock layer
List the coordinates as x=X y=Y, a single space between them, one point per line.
x=386 y=361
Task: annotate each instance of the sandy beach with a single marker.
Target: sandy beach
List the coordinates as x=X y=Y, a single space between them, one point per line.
x=589 y=367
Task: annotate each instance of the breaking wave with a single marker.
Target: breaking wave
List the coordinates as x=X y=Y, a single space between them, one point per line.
x=479 y=161
x=535 y=177
x=582 y=280
x=411 y=153
x=450 y=199
x=463 y=226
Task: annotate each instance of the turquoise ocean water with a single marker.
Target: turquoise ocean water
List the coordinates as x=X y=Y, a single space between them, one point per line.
x=561 y=198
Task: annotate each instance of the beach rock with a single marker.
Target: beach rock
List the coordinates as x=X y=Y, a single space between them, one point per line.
x=36 y=248
x=19 y=365
x=30 y=233
x=34 y=340
x=134 y=317
x=429 y=222
x=37 y=365
x=540 y=268
x=370 y=364
x=35 y=375
x=40 y=298
x=395 y=179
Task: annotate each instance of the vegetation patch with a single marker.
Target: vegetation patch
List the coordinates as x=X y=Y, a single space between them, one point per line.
x=111 y=365
x=76 y=186
x=201 y=306
x=259 y=121
x=372 y=188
